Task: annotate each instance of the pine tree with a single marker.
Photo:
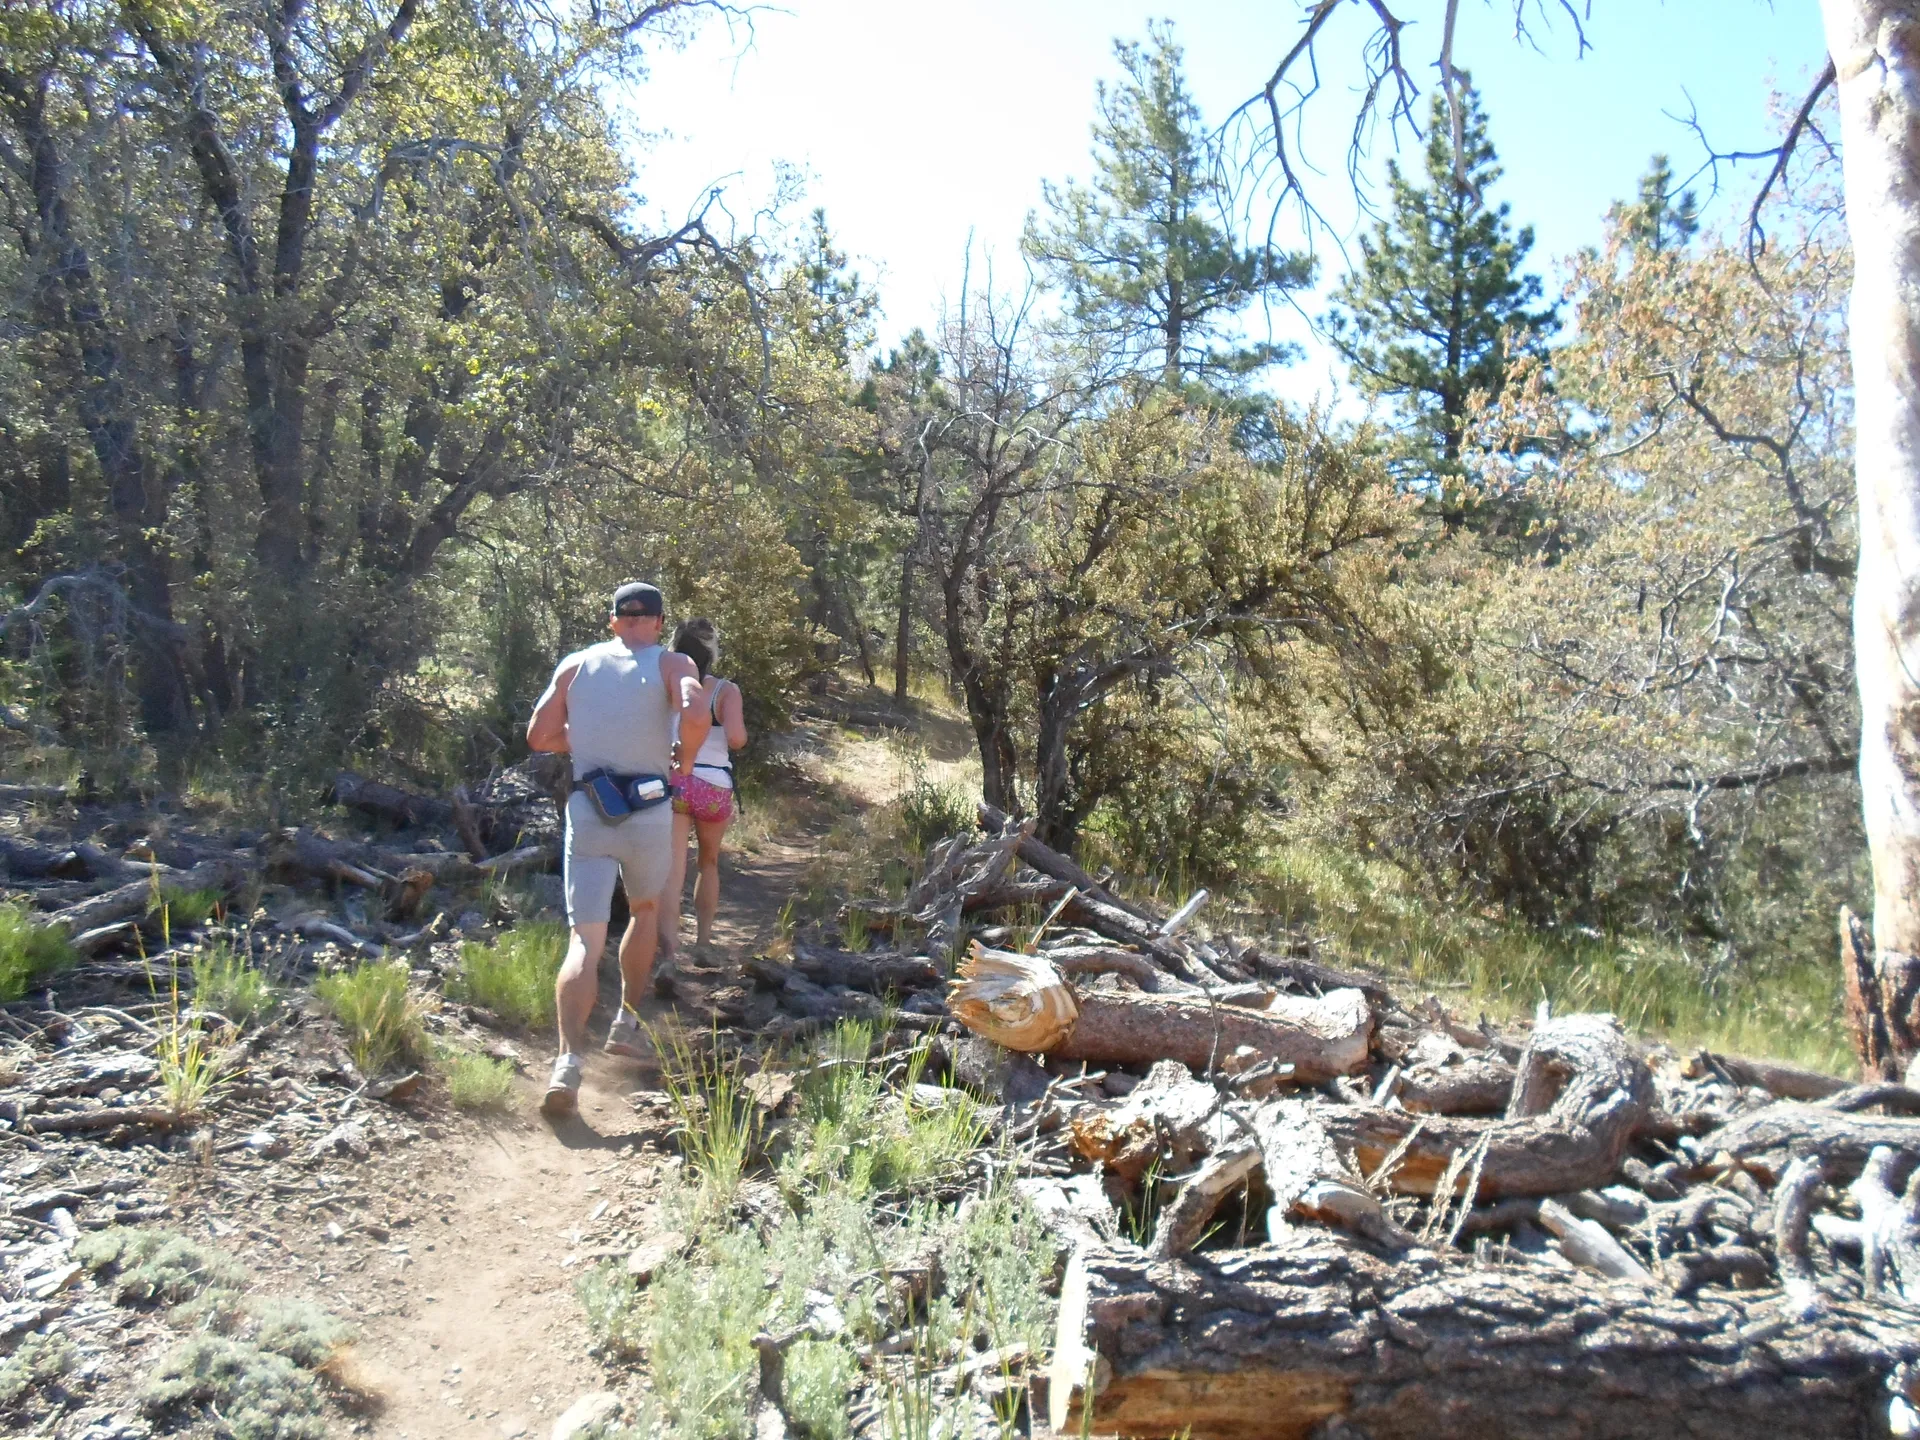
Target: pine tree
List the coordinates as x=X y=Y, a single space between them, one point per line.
x=1659 y=221
x=1438 y=307
x=1144 y=252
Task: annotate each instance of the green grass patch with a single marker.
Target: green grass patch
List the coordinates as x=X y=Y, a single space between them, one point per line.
x=226 y=980
x=513 y=976
x=380 y=1013
x=1375 y=916
x=477 y=1082
x=717 y=1120
x=183 y=910
x=857 y=1218
x=858 y=1131
x=29 y=953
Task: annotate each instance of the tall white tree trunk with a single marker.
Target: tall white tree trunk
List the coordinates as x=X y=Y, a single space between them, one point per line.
x=1876 y=52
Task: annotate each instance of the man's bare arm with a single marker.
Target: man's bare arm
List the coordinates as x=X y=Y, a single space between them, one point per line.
x=547 y=729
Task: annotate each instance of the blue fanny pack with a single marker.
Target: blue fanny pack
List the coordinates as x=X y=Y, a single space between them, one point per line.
x=618 y=796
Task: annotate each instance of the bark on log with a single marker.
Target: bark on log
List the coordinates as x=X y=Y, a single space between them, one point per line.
x=1029 y=1006
x=875 y=974
x=1575 y=1143
x=1776 y=1132
x=1309 y=1179
x=1869 y=1018
x=1163 y=1119
x=1443 y=1077
x=134 y=899
x=1269 y=1344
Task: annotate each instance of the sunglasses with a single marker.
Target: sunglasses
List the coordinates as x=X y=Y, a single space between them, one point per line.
x=635 y=615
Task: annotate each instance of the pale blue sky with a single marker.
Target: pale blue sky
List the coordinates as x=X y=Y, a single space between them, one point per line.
x=917 y=123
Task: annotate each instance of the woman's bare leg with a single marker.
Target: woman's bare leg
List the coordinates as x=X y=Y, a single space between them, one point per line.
x=676 y=885
x=706 y=888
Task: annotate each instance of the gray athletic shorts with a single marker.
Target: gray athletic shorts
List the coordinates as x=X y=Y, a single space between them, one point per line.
x=638 y=849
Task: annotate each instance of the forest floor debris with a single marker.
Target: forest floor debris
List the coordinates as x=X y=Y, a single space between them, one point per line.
x=848 y=1188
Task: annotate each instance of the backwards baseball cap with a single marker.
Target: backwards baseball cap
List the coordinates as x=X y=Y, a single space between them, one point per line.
x=636 y=597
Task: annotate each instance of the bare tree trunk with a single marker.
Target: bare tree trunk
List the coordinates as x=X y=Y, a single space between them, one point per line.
x=1876 y=52
x=903 y=629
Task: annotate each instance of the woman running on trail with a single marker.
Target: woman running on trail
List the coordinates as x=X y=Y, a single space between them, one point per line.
x=703 y=798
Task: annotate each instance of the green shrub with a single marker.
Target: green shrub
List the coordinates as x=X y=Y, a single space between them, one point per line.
x=931 y=812
x=226 y=980
x=29 y=953
x=856 y=1130
x=614 y=1311
x=381 y=1015
x=820 y=1376
x=256 y=1394
x=38 y=1359
x=476 y=1082
x=302 y=1332
x=699 y=1326
x=513 y=977
x=163 y=1265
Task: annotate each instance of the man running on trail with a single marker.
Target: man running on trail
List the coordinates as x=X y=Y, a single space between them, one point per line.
x=612 y=706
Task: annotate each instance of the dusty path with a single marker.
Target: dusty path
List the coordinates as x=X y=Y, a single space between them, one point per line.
x=479 y=1331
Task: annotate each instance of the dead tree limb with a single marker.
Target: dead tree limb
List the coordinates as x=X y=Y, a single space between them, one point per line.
x=1550 y=1142
x=1023 y=1003
x=1270 y=1343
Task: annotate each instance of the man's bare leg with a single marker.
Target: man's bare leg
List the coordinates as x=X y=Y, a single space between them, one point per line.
x=574 y=990
x=637 y=947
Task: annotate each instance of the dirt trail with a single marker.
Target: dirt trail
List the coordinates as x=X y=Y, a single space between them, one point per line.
x=481 y=1333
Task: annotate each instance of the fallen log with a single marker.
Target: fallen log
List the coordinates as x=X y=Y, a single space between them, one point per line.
x=879 y=974
x=104 y=1117
x=32 y=794
x=1442 y=1077
x=390 y=802
x=1789 y=1082
x=300 y=854
x=1309 y=1179
x=543 y=856
x=36 y=862
x=1313 y=1331
x=224 y=876
x=1023 y=1003
x=1163 y=1121
x=1077 y=961
x=1776 y=1133
x=1062 y=868
x=1548 y=1143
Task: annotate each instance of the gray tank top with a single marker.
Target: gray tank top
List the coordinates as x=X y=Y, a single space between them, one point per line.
x=619 y=714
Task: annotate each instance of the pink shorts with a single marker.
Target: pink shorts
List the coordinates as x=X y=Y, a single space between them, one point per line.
x=704 y=801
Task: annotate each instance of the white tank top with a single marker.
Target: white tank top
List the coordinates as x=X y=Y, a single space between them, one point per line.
x=711 y=760
x=618 y=710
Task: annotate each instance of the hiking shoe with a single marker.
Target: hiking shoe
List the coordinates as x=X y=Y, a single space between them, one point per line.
x=665 y=972
x=625 y=1037
x=563 y=1090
